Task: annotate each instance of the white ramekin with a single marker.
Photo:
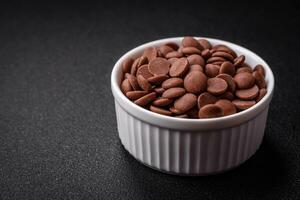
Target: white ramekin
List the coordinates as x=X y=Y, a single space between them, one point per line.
x=190 y=146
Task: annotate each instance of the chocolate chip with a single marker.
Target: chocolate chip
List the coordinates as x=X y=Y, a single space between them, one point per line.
x=134 y=67
x=210 y=111
x=159 y=54
x=213 y=50
x=176 y=111
x=193 y=113
x=191 y=42
x=226 y=95
x=244 y=80
x=239 y=60
x=244 y=69
x=143 y=70
x=227 y=68
x=205 y=43
x=172 y=60
x=172 y=45
x=186 y=102
x=195 y=82
x=172 y=82
x=162 y=102
x=196 y=68
x=143 y=83
x=137 y=63
x=245 y=65
x=173 y=92
x=164 y=49
x=229 y=80
x=126 y=65
x=133 y=82
x=134 y=95
x=127 y=75
x=142 y=61
x=206 y=54
x=159 y=90
x=216 y=86
x=145 y=100
x=247 y=94
x=126 y=86
x=212 y=70
x=243 y=105
x=196 y=59
x=158 y=79
x=224 y=48
x=174 y=54
x=261 y=94
x=205 y=99
x=259 y=79
x=227 y=107
x=179 y=68
x=150 y=53
x=260 y=69
x=160 y=110
x=190 y=50
x=215 y=59
x=223 y=54
x=219 y=63
x=159 y=66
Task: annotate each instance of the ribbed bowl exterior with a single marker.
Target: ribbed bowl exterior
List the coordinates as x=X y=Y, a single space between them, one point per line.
x=190 y=152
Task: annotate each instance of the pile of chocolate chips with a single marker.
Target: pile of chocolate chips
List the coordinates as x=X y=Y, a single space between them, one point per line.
x=192 y=80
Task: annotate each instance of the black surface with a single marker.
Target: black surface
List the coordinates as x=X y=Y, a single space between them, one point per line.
x=58 y=136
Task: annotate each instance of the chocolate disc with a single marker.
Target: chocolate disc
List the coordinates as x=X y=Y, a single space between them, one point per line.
x=210 y=111
x=179 y=68
x=159 y=66
x=216 y=86
x=173 y=92
x=195 y=82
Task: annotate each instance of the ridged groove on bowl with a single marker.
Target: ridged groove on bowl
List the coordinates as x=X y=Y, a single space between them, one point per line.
x=184 y=152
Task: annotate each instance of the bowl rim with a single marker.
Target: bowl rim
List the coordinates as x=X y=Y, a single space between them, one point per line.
x=183 y=123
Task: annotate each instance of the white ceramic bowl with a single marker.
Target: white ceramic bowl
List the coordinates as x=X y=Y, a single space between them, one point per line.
x=190 y=146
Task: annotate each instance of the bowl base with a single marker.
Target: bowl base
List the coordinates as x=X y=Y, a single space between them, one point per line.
x=185 y=174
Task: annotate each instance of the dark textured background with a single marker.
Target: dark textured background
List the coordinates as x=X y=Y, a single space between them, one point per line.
x=58 y=135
